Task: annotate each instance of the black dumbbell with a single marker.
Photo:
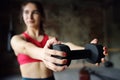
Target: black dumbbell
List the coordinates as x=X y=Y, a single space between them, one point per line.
x=92 y=53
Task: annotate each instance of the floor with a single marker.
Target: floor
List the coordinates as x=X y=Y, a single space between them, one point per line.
x=73 y=74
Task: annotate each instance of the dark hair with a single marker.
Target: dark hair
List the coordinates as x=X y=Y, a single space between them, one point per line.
x=40 y=9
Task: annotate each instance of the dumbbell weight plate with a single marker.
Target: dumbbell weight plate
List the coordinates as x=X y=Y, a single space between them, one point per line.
x=96 y=53
x=64 y=48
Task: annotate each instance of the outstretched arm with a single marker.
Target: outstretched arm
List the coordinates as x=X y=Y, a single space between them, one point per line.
x=20 y=45
x=73 y=46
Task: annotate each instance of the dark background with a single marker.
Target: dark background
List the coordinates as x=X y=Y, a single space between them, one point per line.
x=97 y=18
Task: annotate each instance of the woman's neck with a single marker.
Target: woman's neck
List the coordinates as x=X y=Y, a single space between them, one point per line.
x=33 y=32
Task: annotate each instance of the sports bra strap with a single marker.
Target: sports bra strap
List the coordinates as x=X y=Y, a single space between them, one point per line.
x=37 y=43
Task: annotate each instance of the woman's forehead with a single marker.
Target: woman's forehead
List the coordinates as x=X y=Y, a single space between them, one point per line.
x=30 y=6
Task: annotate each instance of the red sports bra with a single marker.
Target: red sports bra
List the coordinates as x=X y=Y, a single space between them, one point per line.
x=22 y=58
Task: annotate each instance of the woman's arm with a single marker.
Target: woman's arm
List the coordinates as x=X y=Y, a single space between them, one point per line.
x=20 y=45
x=73 y=46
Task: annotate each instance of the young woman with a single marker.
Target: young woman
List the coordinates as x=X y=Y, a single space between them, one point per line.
x=32 y=47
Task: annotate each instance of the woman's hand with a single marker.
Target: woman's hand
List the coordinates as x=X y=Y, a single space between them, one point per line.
x=105 y=51
x=50 y=61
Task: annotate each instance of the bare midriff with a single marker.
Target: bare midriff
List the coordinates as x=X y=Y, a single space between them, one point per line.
x=35 y=70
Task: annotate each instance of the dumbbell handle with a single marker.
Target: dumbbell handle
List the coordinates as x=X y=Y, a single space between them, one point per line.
x=75 y=54
x=79 y=54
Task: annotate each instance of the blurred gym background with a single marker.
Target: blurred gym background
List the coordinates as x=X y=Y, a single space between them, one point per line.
x=77 y=21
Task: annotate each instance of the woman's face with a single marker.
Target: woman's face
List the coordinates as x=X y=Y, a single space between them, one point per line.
x=31 y=15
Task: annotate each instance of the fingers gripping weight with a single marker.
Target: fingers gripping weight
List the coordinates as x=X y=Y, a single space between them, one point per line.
x=92 y=53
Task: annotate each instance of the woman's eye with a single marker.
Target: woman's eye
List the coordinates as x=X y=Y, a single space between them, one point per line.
x=26 y=12
x=36 y=12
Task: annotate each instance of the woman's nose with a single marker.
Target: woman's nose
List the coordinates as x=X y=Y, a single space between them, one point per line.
x=30 y=16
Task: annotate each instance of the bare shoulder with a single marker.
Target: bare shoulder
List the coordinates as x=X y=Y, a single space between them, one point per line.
x=16 y=38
